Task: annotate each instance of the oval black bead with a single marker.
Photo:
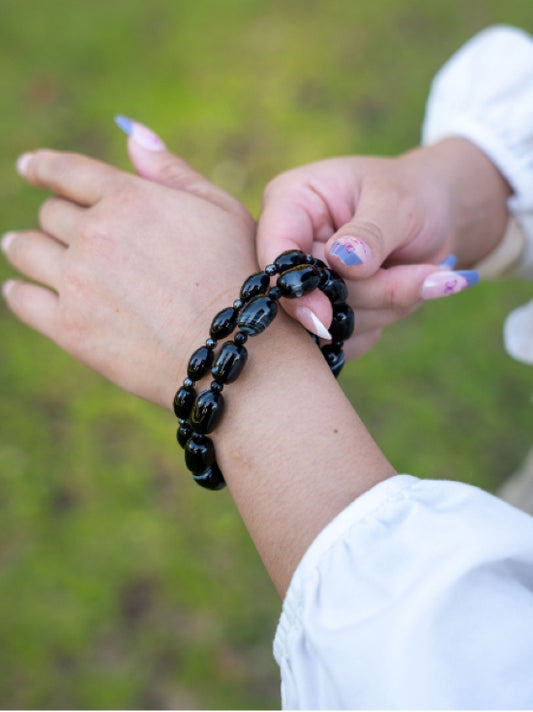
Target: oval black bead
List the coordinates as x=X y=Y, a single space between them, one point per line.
x=257 y=315
x=318 y=263
x=183 y=433
x=271 y=270
x=289 y=259
x=255 y=284
x=199 y=453
x=206 y=411
x=298 y=281
x=200 y=363
x=229 y=362
x=343 y=323
x=333 y=286
x=183 y=401
x=211 y=479
x=335 y=358
x=223 y=323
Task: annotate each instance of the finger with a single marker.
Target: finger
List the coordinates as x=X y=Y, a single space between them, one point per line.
x=404 y=286
x=383 y=221
x=361 y=343
x=153 y=161
x=61 y=218
x=34 y=305
x=373 y=319
x=70 y=175
x=35 y=255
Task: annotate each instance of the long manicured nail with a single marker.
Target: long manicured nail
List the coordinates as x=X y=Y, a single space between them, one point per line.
x=441 y=284
x=22 y=164
x=350 y=251
x=449 y=262
x=7 y=287
x=312 y=323
x=144 y=136
x=7 y=239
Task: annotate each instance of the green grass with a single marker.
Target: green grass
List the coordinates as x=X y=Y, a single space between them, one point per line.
x=121 y=584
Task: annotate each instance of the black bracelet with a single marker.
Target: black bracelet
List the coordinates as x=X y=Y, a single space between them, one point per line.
x=199 y=414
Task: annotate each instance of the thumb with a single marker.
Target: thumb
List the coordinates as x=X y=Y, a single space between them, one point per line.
x=153 y=161
x=382 y=223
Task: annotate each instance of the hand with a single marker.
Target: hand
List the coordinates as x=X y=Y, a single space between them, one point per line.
x=131 y=272
x=383 y=223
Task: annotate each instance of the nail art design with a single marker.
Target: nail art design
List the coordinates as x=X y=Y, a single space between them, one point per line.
x=442 y=284
x=144 y=136
x=312 y=323
x=449 y=262
x=350 y=251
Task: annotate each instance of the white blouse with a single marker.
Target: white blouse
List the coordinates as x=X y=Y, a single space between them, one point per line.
x=419 y=595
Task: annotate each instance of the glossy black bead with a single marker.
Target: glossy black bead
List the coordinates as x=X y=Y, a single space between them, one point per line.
x=216 y=386
x=188 y=383
x=238 y=304
x=183 y=401
x=255 y=284
x=183 y=433
x=240 y=338
x=335 y=358
x=298 y=281
x=271 y=270
x=257 y=315
x=223 y=323
x=229 y=362
x=210 y=343
x=199 y=453
x=200 y=363
x=289 y=259
x=343 y=323
x=275 y=293
x=333 y=286
x=318 y=263
x=206 y=411
x=211 y=479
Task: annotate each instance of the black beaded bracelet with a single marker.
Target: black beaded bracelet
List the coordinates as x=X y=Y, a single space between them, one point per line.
x=199 y=414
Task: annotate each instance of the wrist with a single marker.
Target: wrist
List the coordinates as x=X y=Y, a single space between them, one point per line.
x=476 y=193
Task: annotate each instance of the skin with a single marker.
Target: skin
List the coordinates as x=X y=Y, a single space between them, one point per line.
x=411 y=211
x=130 y=275
x=131 y=269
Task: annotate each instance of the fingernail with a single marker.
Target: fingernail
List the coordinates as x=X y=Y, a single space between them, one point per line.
x=144 y=136
x=350 y=251
x=7 y=239
x=441 y=284
x=7 y=287
x=312 y=323
x=22 y=164
x=449 y=261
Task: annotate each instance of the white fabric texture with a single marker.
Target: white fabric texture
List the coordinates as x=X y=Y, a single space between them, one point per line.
x=418 y=596
x=485 y=94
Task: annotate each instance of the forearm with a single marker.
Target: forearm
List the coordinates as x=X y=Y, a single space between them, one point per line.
x=292 y=449
x=478 y=195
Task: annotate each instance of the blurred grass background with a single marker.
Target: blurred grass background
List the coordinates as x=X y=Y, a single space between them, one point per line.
x=121 y=584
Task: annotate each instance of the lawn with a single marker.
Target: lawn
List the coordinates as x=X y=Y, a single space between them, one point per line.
x=121 y=584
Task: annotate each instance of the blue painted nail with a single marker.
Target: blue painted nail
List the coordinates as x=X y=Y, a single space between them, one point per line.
x=449 y=261
x=471 y=276
x=349 y=250
x=124 y=123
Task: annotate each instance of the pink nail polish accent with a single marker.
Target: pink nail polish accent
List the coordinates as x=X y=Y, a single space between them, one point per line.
x=312 y=323
x=442 y=284
x=144 y=136
x=350 y=250
x=22 y=163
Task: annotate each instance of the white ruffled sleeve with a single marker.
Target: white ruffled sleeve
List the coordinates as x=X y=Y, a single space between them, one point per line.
x=418 y=595
x=485 y=94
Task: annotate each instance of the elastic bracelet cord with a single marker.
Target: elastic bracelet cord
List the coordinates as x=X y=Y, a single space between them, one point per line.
x=254 y=310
